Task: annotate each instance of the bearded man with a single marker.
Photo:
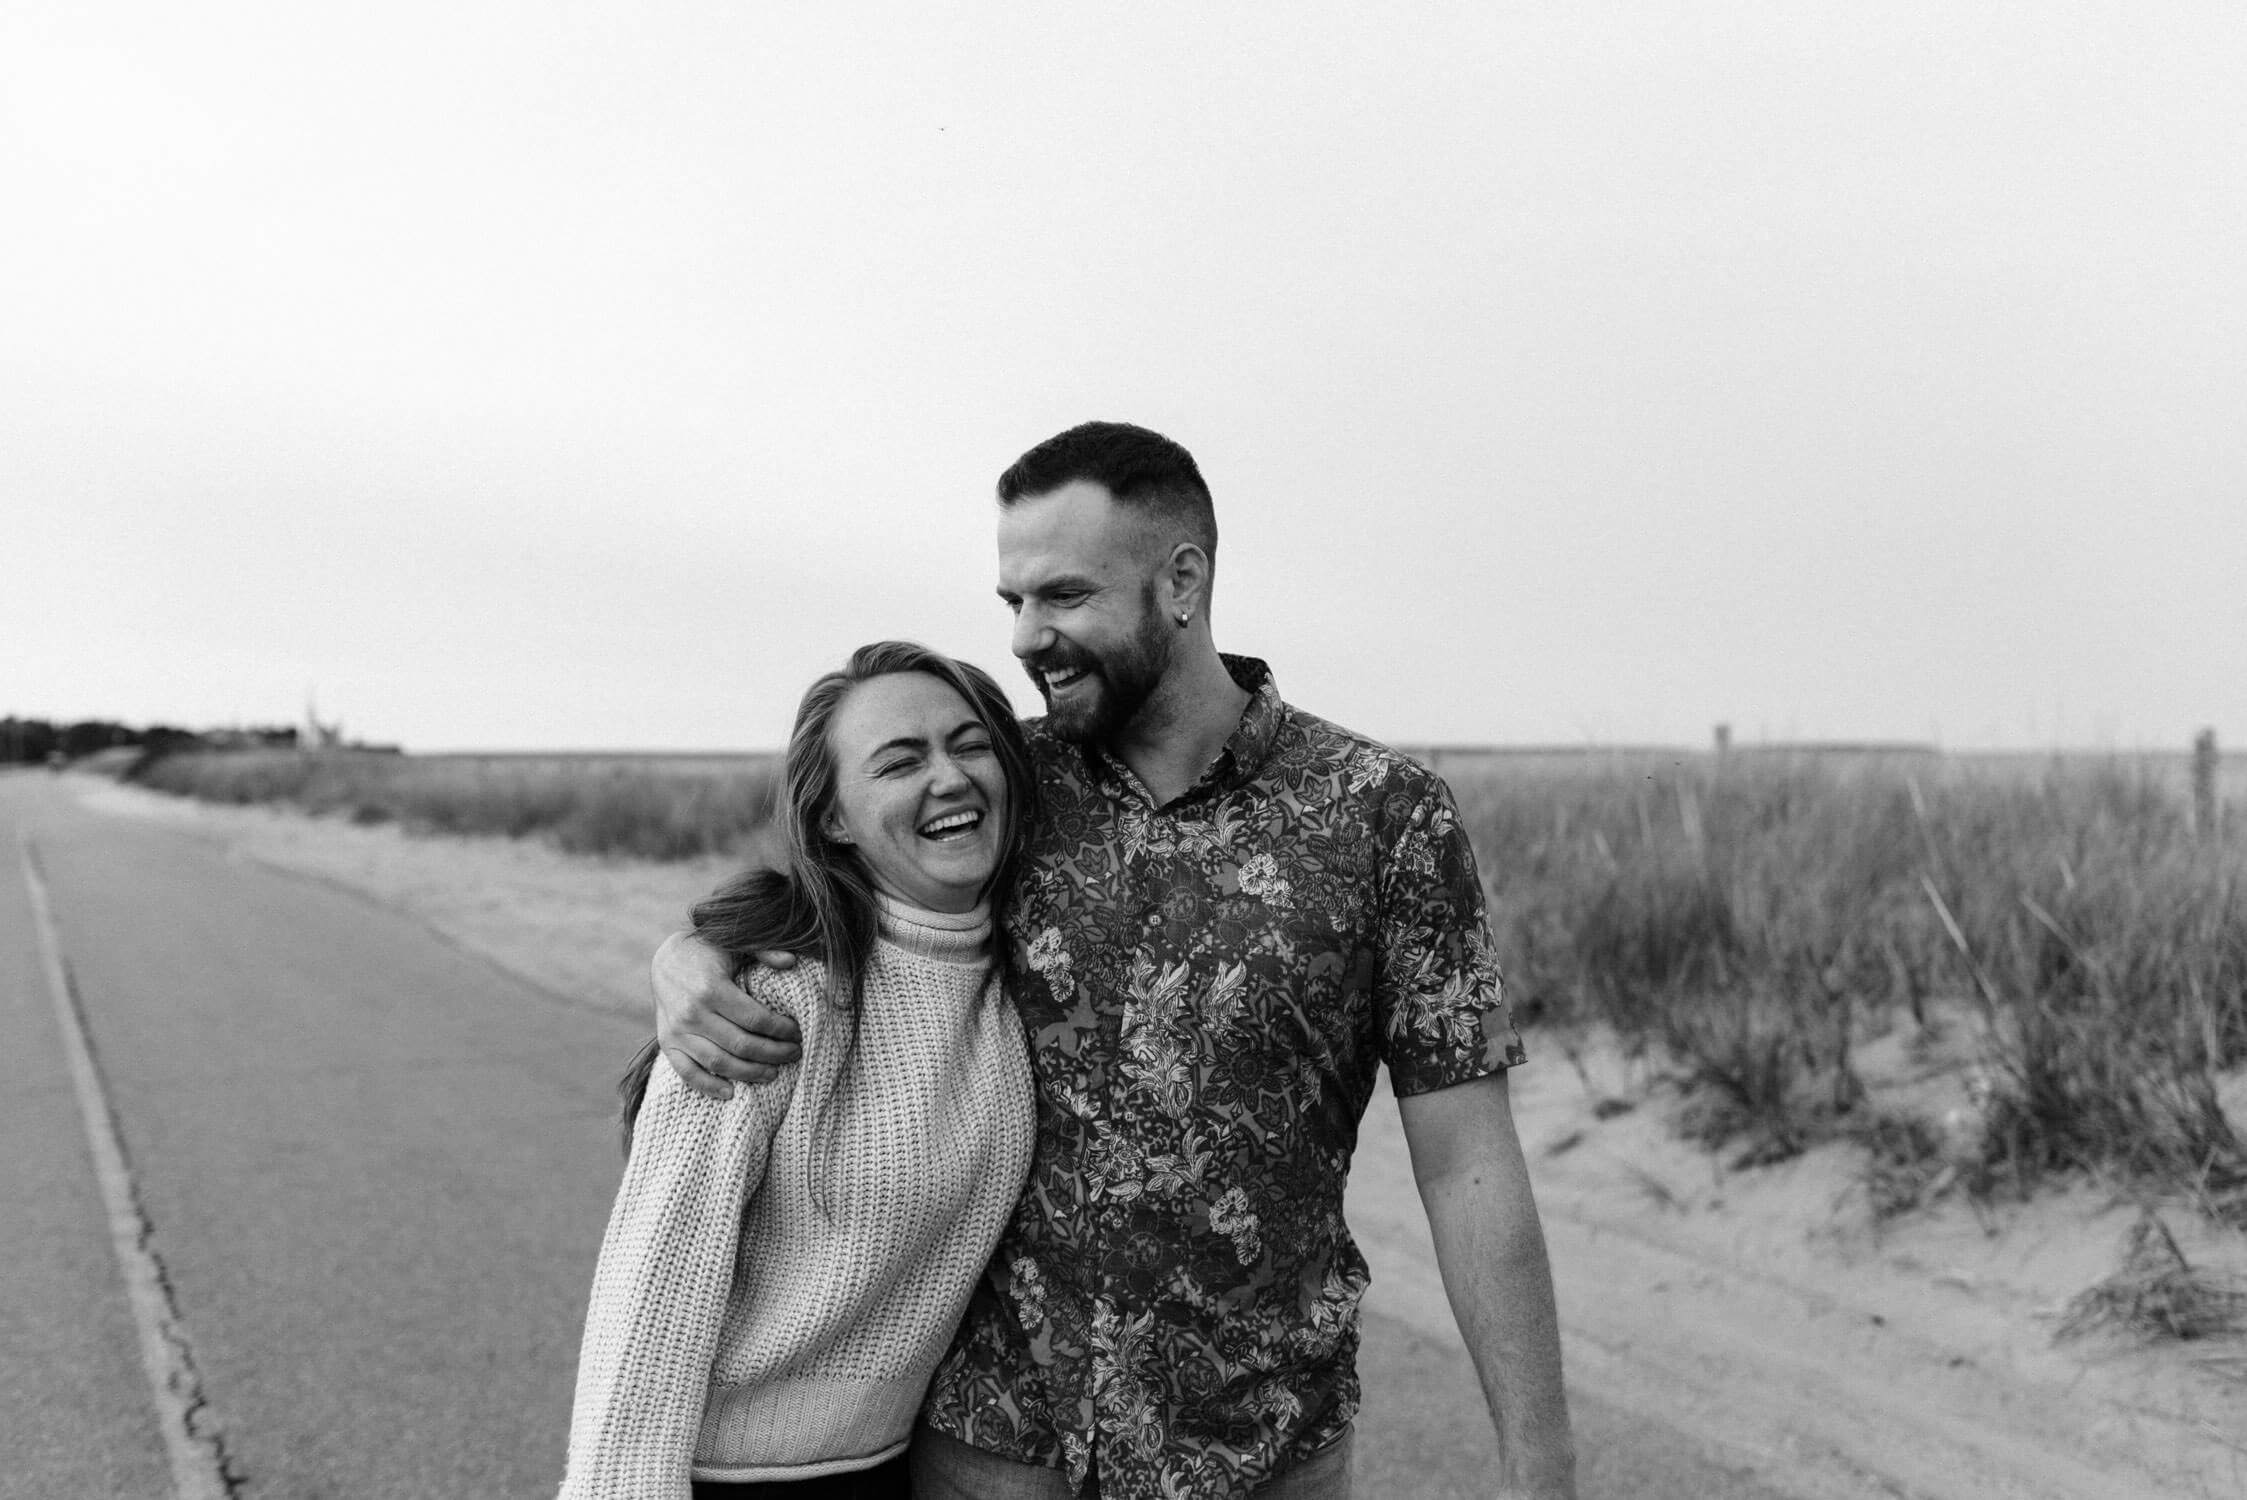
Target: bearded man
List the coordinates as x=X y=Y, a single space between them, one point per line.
x=1231 y=914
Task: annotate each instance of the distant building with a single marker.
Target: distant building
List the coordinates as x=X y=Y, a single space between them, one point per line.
x=315 y=735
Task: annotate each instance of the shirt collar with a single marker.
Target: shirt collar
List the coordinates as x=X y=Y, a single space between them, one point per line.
x=1245 y=750
x=1250 y=744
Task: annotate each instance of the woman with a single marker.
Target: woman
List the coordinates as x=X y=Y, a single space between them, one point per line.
x=783 y=1269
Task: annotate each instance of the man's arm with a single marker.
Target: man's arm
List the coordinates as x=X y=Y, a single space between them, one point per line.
x=1467 y=1161
x=709 y=1029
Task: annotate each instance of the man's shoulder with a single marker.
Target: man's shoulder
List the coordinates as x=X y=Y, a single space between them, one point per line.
x=1050 y=754
x=1310 y=746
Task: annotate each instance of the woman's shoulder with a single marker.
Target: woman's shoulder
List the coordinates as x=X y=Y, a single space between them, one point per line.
x=798 y=993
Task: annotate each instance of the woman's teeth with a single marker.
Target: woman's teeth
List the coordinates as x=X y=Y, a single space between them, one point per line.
x=951 y=823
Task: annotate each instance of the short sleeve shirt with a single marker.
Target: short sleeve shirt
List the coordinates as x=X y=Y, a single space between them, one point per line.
x=1209 y=988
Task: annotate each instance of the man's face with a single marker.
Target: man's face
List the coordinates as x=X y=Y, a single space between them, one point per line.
x=1078 y=571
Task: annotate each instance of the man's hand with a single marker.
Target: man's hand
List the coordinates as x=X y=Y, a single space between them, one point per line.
x=709 y=1029
x=1466 y=1158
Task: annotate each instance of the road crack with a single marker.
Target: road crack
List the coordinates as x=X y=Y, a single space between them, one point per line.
x=194 y=1438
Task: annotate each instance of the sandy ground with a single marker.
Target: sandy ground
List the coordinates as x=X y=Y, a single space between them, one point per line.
x=1761 y=1310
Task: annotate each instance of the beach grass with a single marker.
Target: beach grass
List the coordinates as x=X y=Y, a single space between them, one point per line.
x=638 y=807
x=1747 y=922
x=1754 y=921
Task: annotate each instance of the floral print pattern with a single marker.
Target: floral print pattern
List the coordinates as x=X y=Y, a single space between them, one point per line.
x=1209 y=988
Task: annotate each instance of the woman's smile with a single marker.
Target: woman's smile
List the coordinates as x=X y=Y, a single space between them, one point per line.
x=952 y=825
x=919 y=791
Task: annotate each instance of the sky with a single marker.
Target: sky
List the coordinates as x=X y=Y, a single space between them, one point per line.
x=557 y=375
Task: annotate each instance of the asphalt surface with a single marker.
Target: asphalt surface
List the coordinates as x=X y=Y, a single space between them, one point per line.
x=375 y=1172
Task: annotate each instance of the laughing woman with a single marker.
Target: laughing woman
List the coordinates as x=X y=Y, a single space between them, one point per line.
x=783 y=1269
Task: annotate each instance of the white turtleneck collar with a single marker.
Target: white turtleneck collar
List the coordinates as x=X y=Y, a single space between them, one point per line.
x=948 y=937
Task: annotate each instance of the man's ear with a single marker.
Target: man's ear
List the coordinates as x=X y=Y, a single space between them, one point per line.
x=1187 y=574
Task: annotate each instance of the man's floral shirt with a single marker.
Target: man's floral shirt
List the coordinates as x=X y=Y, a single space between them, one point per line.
x=1209 y=988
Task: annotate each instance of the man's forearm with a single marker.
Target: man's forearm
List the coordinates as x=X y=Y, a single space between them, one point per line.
x=1474 y=1184
x=1491 y=1250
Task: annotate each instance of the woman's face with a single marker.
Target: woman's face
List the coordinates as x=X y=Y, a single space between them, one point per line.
x=918 y=790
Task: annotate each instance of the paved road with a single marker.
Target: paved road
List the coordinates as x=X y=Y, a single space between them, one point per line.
x=374 y=1171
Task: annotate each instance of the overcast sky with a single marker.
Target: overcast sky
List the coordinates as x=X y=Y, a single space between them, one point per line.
x=560 y=375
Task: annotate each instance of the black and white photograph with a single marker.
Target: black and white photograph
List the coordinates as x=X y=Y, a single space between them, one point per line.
x=648 y=850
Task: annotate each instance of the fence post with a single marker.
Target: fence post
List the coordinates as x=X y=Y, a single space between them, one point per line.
x=2205 y=808
x=1723 y=738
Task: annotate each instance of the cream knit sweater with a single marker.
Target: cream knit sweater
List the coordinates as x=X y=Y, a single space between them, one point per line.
x=735 y=1332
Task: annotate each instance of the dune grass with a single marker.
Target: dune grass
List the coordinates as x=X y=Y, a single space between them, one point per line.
x=1756 y=919
x=644 y=808
x=1749 y=921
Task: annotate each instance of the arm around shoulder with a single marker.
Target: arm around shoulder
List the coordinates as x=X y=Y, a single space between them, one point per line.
x=710 y=1030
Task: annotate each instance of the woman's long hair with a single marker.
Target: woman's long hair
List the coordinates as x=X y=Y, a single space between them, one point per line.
x=820 y=903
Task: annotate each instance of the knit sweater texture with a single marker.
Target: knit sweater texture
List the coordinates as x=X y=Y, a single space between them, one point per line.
x=783 y=1270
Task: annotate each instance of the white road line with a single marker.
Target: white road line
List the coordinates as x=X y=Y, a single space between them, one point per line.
x=191 y=1436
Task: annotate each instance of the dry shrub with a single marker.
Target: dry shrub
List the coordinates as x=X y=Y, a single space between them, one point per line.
x=1746 y=1077
x=2157 y=1294
x=1904 y=1160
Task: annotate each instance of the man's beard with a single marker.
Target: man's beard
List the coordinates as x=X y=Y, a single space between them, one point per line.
x=1115 y=687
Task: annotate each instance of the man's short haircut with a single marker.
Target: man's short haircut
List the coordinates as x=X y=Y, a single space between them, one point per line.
x=1142 y=469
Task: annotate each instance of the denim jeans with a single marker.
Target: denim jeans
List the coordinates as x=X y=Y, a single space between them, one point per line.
x=944 y=1468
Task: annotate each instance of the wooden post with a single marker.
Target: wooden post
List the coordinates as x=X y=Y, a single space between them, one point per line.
x=1723 y=739
x=2206 y=810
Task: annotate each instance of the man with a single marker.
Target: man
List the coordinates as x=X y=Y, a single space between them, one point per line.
x=1232 y=912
